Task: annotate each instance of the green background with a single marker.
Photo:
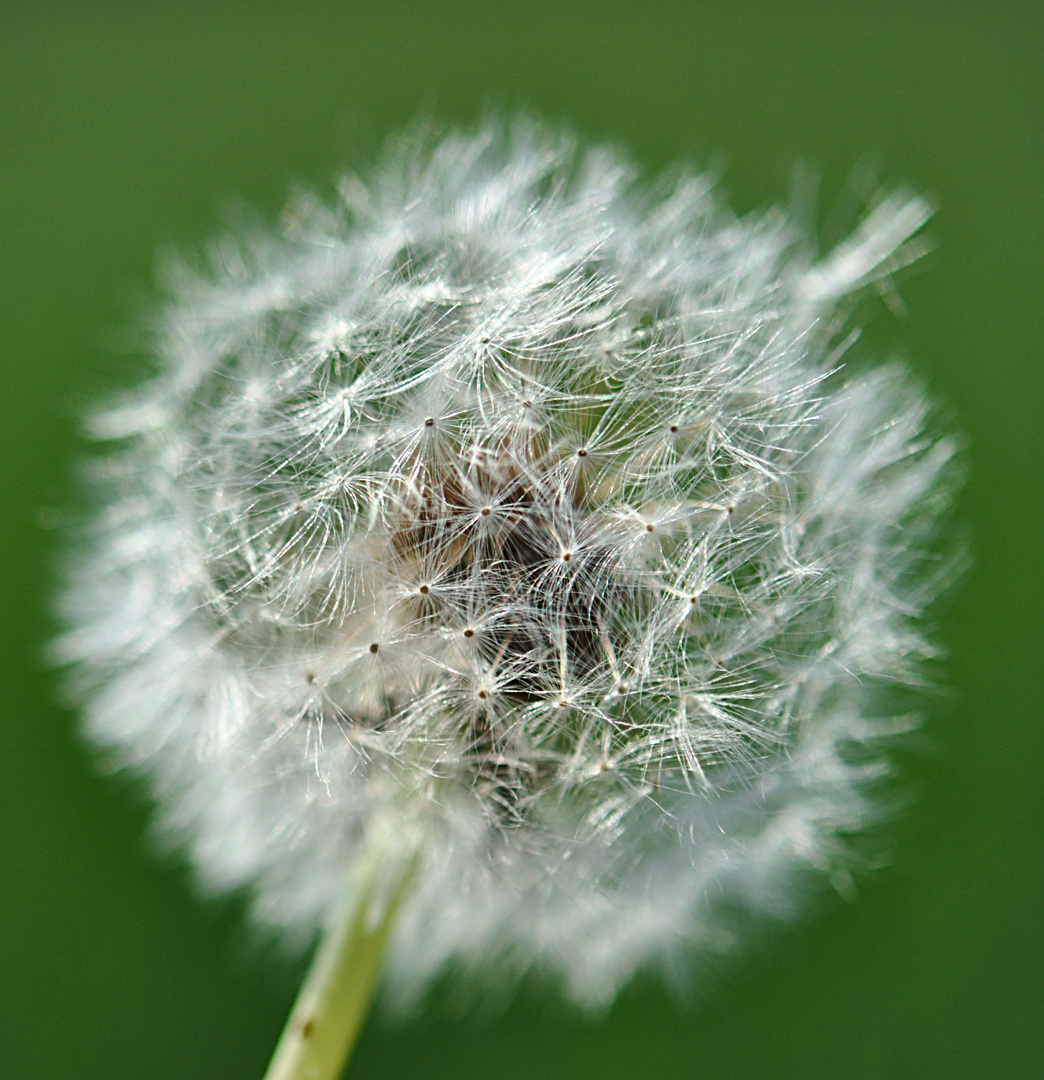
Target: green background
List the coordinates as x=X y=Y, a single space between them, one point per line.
x=123 y=130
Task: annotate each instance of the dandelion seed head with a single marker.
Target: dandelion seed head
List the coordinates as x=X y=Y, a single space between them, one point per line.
x=510 y=506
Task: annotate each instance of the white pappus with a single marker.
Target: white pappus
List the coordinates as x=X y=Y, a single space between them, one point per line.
x=522 y=516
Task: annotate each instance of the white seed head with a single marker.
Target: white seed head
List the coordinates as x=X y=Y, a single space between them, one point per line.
x=510 y=508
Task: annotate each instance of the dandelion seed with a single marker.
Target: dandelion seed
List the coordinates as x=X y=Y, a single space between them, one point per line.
x=438 y=413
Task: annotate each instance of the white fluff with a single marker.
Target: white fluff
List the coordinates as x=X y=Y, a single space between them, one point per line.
x=509 y=508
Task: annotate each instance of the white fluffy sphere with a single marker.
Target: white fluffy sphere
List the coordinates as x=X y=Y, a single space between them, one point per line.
x=517 y=512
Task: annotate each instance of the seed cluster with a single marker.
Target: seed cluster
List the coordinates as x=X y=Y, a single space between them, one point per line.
x=527 y=512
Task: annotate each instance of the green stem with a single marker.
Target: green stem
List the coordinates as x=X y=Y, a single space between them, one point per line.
x=335 y=997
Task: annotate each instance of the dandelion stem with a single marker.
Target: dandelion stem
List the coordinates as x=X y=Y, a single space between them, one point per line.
x=335 y=998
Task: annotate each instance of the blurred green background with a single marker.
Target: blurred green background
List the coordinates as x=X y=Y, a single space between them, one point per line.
x=124 y=130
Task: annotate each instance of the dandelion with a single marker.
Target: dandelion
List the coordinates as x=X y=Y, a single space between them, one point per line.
x=500 y=571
